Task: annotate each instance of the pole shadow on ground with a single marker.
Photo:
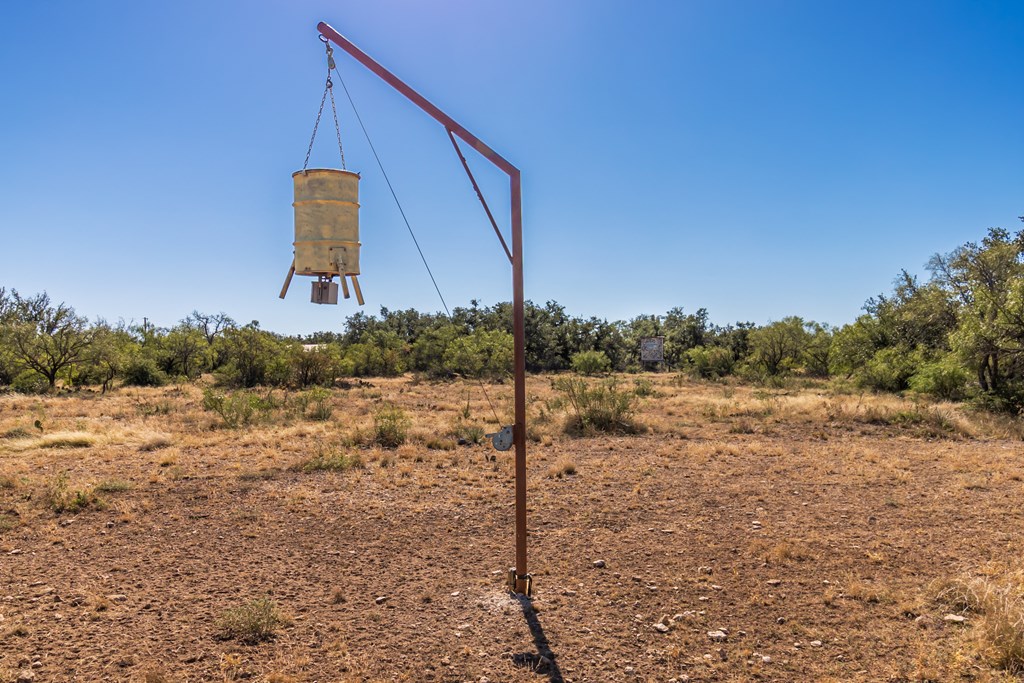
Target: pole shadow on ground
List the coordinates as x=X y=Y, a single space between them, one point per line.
x=543 y=661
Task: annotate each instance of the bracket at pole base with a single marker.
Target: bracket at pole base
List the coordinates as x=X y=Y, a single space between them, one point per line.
x=521 y=585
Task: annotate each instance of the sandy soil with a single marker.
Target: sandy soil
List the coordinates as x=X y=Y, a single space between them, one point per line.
x=813 y=530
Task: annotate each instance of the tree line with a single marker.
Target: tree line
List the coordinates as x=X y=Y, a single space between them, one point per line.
x=958 y=335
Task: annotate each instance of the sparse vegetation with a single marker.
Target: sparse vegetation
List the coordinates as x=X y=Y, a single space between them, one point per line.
x=62 y=497
x=390 y=426
x=251 y=623
x=602 y=407
x=237 y=408
x=301 y=495
x=331 y=462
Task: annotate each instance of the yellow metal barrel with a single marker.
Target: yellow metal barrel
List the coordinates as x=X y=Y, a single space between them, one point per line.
x=326 y=222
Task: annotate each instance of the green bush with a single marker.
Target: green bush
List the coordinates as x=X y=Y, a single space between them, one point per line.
x=390 y=426
x=944 y=379
x=238 y=408
x=591 y=363
x=710 y=363
x=144 y=372
x=484 y=353
x=890 y=369
x=602 y=407
x=30 y=382
x=468 y=432
x=644 y=387
x=319 y=398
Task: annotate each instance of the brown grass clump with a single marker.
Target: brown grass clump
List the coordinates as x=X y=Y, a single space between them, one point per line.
x=565 y=467
x=155 y=442
x=66 y=440
x=996 y=604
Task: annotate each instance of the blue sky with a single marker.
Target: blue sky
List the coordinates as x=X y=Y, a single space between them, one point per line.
x=759 y=159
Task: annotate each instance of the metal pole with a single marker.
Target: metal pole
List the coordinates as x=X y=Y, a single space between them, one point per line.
x=522 y=583
x=519 y=580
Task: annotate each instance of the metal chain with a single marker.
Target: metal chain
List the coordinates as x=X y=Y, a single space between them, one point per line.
x=328 y=89
x=337 y=128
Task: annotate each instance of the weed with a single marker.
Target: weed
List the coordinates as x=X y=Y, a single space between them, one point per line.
x=466 y=433
x=319 y=398
x=113 y=486
x=643 y=387
x=162 y=407
x=330 y=462
x=155 y=442
x=600 y=407
x=742 y=426
x=565 y=467
x=60 y=497
x=260 y=475
x=390 y=426
x=253 y=622
x=238 y=408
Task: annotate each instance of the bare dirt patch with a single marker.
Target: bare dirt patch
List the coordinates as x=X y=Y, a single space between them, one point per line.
x=747 y=535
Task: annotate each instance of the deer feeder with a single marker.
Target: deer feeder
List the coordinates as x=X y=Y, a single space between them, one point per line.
x=326 y=232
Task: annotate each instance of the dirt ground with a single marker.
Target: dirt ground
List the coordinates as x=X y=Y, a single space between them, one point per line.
x=813 y=531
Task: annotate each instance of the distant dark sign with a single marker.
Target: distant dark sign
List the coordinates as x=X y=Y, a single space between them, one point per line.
x=652 y=349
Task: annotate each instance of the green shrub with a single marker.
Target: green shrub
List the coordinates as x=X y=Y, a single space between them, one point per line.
x=144 y=372
x=390 y=426
x=468 y=433
x=252 y=622
x=30 y=382
x=602 y=407
x=890 y=369
x=591 y=363
x=484 y=353
x=238 y=408
x=710 y=362
x=944 y=379
x=643 y=387
x=319 y=400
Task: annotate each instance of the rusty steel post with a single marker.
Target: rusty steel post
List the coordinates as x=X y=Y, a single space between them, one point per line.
x=519 y=580
x=523 y=582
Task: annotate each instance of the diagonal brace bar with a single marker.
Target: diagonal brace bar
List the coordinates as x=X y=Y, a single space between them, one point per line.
x=479 y=194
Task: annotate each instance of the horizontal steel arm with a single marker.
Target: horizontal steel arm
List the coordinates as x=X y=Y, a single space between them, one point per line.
x=419 y=100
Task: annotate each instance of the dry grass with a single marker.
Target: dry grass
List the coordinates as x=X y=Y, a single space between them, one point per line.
x=855 y=497
x=66 y=440
x=995 y=607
